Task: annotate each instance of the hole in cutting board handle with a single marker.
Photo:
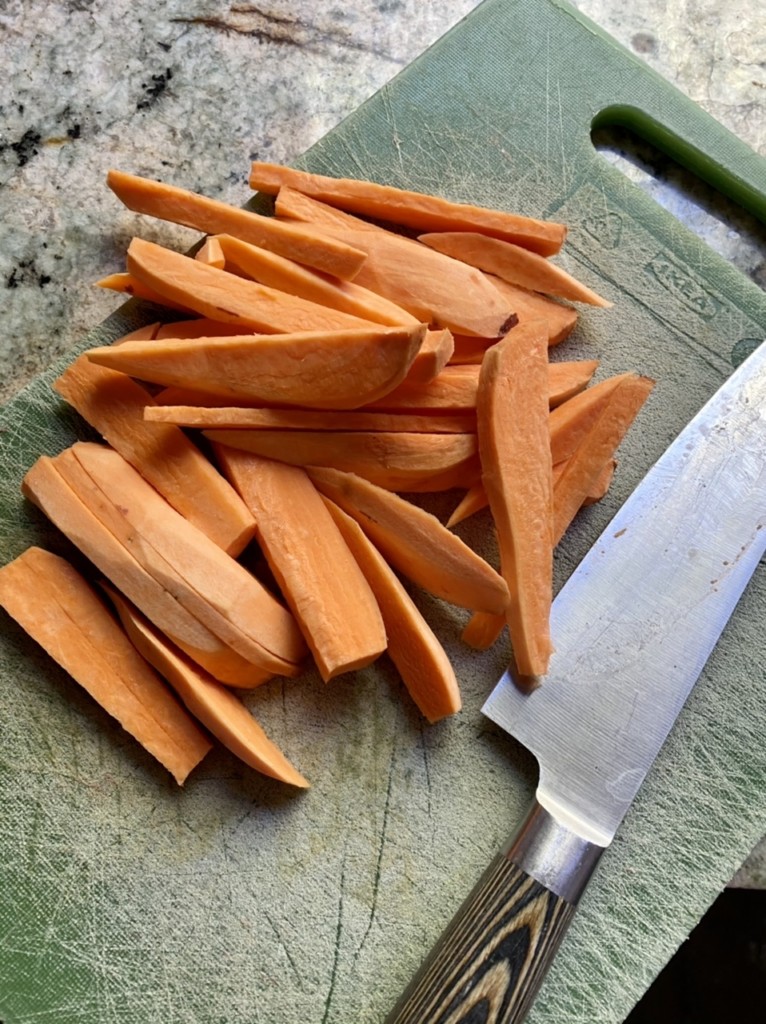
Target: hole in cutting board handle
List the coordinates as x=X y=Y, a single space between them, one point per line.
x=697 y=191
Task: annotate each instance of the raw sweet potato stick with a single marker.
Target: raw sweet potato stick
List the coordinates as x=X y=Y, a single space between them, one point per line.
x=213 y=217
x=335 y=370
x=412 y=645
x=513 y=264
x=114 y=405
x=415 y=542
x=54 y=604
x=317 y=575
x=216 y=707
x=514 y=444
x=412 y=209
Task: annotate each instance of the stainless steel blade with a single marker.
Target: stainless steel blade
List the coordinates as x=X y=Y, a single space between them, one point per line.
x=638 y=619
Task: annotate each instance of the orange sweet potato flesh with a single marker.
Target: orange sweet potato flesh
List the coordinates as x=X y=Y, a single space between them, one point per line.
x=482 y=630
x=531 y=305
x=210 y=252
x=584 y=467
x=130 y=285
x=416 y=543
x=54 y=604
x=278 y=272
x=213 y=217
x=513 y=264
x=45 y=485
x=201 y=327
x=432 y=287
x=338 y=370
x=202 y=417
x=214 y=587
x=215 y=706
x=185 y=283
x=412 y=646
x=411 y=209
x=397 y=461
x=455 y=388
x=114 y=405
x=571 y=421
x=317 y=575
x=514 y=442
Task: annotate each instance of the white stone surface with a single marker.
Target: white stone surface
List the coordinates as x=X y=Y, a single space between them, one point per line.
x=192 y=91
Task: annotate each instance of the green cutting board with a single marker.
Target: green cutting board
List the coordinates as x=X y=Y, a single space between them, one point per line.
x=232 y=901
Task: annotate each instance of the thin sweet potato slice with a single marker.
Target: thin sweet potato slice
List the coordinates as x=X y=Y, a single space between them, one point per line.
x=215 y=706
x=167 y=202
x=114 y=405
x=201 y=327
x=512 y=263
x=474 y=500
x=202 y=417
x=288 y=276
x=570 y=422
x=44 y=485
x=415 y=542
x=432 y=287
x=338 y=370
x=412 y=209
x=396 y=461
x=514 y=443
x=185 y=283
x=145 y=333
x=130 y=285
x=584 y=467
x=317 y=575
x=215 y=588
x=531 y=305
x=54 y=604
x=412 y=645
x=210 y=252
x=482 y=630
x=455 y=388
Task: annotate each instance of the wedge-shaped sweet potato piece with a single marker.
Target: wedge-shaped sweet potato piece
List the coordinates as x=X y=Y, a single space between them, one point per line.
x=216 y=707
x=209 y=583
x=531 y=305
x=317 y=575
x=432 y=287
x=288 y=276
x=412 y=209
x=129 y=285
x=213 y=217
x=338 y=370
x=514 y=443
x=185 y=283
x=433 y=355
x=210 y=252
x=482 y=630
x=570 y=422
x=396 y=461
x=512 y=263
x=54 y=604
x=412 y=645
x=114 y=405
x=474 y=500
x=415 y=542
x=455 y=388
x=200 y=327
x=44 y=485
x=584 y=467
x=145 y=333
x=202 y=417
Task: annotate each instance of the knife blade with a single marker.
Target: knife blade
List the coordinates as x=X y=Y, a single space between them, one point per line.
x=633 y=628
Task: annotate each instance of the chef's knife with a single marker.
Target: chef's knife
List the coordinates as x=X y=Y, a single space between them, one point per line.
x=633 y=628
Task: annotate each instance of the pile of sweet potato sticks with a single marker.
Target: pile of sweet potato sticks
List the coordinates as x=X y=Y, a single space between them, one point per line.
x=331 y=364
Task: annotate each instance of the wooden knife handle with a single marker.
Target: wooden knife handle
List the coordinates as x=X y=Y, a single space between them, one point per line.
x=490 y=961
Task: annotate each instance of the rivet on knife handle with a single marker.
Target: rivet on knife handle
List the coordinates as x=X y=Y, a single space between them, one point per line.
x=490 y=961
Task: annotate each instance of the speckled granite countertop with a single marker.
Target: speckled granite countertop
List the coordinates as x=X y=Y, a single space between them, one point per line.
x=198 y=89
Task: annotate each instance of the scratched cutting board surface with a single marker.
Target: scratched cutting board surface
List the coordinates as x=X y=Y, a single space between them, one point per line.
x=123 y=898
